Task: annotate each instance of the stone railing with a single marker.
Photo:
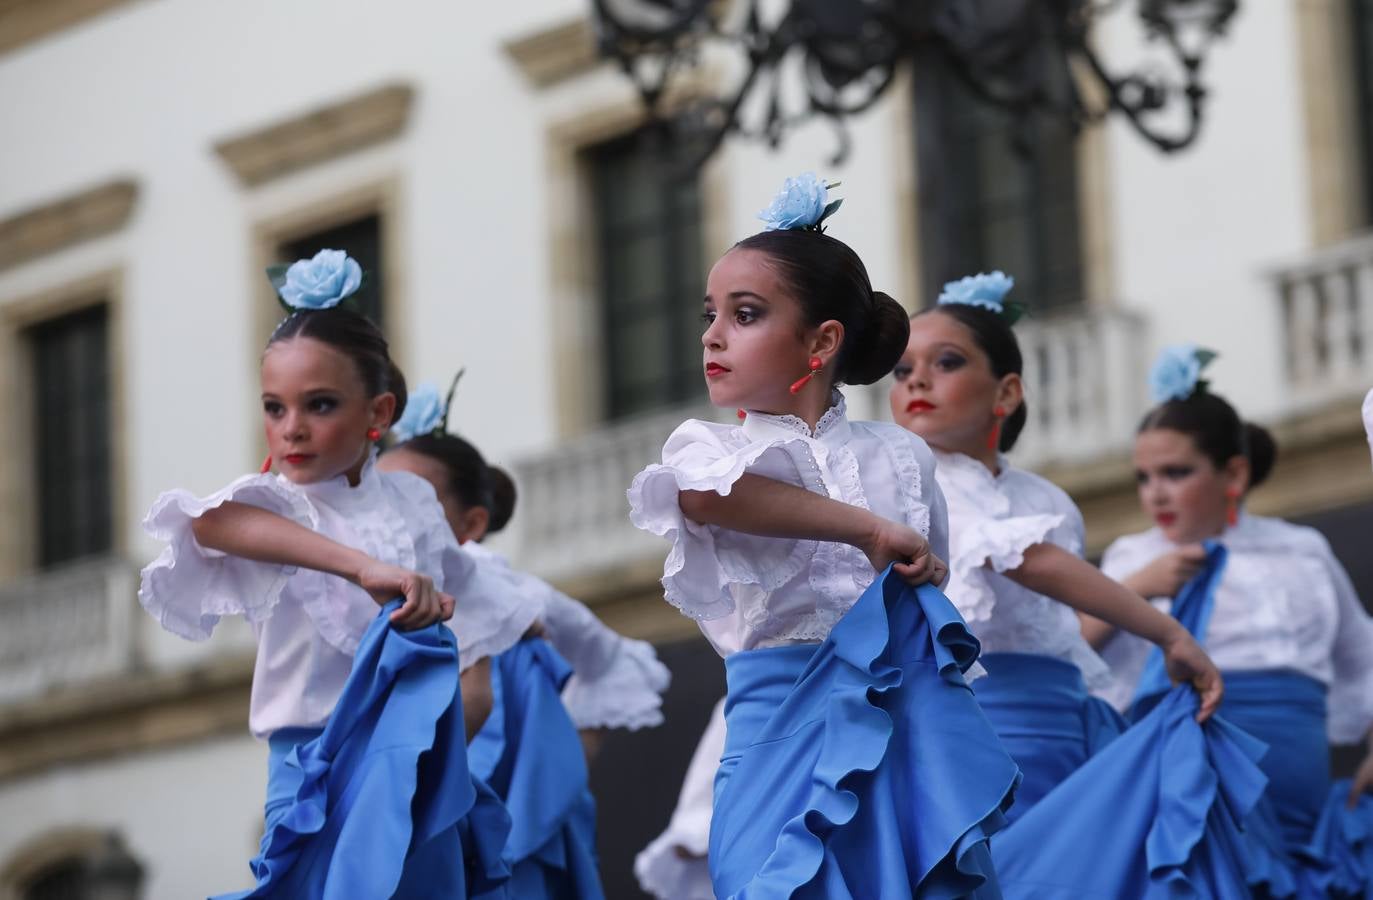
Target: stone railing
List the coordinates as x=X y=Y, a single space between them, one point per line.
x=574 y=517
x=1084 y=385
x=1326 y=314
x=66 y=626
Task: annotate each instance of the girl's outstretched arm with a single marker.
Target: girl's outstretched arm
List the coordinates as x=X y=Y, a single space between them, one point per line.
x=253 y=533
x=1050 y=570
x=768 y=508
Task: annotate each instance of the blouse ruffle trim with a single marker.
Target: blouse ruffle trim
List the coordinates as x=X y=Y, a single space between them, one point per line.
x=627 y=694
x=654 y=507
x=181 y=588
x=998 y=543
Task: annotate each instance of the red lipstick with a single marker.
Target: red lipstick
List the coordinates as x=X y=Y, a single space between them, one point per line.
x=296 y=459
x=919 y=406
x=714 y=369
x=1164 y=519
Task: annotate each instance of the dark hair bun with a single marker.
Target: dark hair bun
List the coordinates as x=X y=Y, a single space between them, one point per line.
x=1262 y=452
x=503 y=496
x=874 y=353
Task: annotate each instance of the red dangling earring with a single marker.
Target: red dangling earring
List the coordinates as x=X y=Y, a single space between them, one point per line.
x=994 y=436
x=816 y=364
x=1232 y=506
x=741 y=414
x=266 y=465
x=373 y=434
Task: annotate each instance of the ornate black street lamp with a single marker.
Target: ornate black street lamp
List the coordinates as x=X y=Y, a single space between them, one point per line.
x=835 y=58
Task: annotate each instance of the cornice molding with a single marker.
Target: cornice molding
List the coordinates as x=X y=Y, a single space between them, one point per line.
x=555 y=54
x=67 y=220
x=25 y=21
x=318 y=135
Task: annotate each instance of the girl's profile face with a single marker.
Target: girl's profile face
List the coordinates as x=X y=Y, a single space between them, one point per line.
x=316 y=411
x=460 y=518
x=944 y=387
x=755 y=345
x=1179 y=487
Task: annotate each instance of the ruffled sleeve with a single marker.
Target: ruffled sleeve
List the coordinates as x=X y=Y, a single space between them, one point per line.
x=617 y=682
x=1351 y=690
x=1368 y=418
x=189 y=588
x=705 y=561
x=491 y=612
x=979 y=543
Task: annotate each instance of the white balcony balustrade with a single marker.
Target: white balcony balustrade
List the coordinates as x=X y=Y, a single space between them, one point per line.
x=1084 y=385
x=1326 y=307
x=66 y=626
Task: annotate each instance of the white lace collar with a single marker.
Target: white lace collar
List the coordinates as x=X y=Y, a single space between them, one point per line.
x=960 y=474
x=339 y=494
x=833 y=427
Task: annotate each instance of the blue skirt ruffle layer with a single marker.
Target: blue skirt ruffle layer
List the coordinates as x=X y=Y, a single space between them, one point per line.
x=1158 y=813
x=1304 y=841
x=381 y=803
x=863 y=767
x=530 y=754
x=1045 y=718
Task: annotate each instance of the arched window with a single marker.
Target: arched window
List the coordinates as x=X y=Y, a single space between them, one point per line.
x=73 y=864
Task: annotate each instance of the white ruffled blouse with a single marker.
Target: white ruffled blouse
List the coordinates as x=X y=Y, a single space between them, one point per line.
x=617 y=682
x=747 y=591
x=993 y=520
x=1284 y=602
x=308 y=623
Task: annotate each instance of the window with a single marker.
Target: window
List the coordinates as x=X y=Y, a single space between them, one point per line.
x=648 y=246
x=1362 y=20
x=360 y=239
x=996 y=193
x=71 y=428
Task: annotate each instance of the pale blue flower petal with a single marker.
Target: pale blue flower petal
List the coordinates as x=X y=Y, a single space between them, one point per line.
x=423 y=413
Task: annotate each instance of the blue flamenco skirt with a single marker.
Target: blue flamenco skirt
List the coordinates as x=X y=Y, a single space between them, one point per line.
x=380 y=803
x=530 y=754
x=1045 y=718
x=1158 y=813
x=1305 y=842
x=861 y=767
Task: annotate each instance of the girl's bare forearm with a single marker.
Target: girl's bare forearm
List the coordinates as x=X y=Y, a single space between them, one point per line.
x=253 y=533
x=1054 y=572
x=769 y=508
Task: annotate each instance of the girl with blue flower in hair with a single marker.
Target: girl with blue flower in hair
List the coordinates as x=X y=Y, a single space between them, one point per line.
x=1276 y=610
x=1090 y=795
x=807 y=546
x=573 y=674
x=368 y=790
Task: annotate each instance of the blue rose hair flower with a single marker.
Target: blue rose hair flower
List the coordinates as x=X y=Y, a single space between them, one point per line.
x=318 y=283
x=987 y=290
x=800 y=204
x=424 y=413
x=1176 y=374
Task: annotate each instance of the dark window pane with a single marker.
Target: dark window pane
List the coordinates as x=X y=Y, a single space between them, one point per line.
x=71 y=404
x=360 y=239
x=648 y=244
x=66 y=880
x=1362 y=18
x=996 y=193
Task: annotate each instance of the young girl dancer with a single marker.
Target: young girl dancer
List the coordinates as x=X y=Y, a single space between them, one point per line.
x=1274 y=608
x=856 y=762
x=617 y=682
x=529 y=750
x=368 y=792
x=1016 y=575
